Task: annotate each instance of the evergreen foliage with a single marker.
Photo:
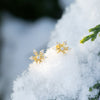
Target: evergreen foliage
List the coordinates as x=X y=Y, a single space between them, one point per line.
x=92 y=36
x=97 y=87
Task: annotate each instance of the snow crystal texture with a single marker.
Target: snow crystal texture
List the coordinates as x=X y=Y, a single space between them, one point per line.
x=69 y=76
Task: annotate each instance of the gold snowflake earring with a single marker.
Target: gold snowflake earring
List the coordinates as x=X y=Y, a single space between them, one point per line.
x=62 y=47
x=39 y=57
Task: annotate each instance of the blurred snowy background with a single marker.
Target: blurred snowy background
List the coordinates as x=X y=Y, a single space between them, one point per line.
x=24 y=25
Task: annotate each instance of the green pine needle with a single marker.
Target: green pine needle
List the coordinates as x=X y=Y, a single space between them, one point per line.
x=92 y=36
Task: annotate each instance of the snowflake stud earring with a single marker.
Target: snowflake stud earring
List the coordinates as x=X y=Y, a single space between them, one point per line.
x=39 y=57
x=62 y=47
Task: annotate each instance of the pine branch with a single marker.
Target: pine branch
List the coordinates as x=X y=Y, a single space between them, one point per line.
x=92 y=36
x=96 y=86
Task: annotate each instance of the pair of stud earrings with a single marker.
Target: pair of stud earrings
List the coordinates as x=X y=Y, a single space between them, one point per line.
x=39 y=57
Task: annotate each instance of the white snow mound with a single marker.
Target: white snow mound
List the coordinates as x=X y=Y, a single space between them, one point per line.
x=53 y=77
x=69 y=76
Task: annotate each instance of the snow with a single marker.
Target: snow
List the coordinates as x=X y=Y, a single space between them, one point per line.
x=69 y=76
x=43 y=80
x=59 y=76
x=76 y=21
x=20 y=38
